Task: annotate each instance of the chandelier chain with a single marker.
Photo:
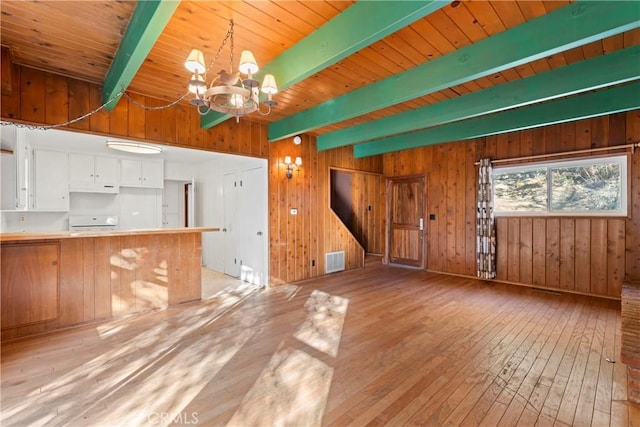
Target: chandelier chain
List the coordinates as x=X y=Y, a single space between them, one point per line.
x=68 y=122
x=222 y=45
x=157 y=107
x=115 y=96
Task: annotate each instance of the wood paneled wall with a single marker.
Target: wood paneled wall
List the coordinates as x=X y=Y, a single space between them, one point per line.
x=585 y=255
x=299 y=242
x=36 y=97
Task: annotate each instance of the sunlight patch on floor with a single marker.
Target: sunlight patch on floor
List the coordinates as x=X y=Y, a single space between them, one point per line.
x=292 y=390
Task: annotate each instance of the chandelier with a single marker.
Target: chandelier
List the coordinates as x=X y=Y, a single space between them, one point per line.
x=230 y=92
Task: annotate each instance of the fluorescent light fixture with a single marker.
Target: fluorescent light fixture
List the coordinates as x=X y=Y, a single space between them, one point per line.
x=134 y=147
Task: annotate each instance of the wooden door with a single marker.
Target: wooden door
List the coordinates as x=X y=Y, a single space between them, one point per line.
x=405 y=213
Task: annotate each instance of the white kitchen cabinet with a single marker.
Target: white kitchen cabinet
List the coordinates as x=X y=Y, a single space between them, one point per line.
x=14 y=168
x=141 y=173
x=89 y=173
x=50 y=190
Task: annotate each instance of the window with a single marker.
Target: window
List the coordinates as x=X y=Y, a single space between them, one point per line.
x=594 y=186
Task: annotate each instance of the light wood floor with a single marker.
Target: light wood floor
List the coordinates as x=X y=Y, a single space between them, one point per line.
x=379 y=346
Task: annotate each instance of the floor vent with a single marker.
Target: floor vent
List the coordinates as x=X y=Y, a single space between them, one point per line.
x=334 y=261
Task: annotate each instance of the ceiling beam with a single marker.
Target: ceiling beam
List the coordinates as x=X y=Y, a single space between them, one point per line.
x=145 y=26
x=618 y=67
x=337 y=39
x=574 y=25
x=606 y=101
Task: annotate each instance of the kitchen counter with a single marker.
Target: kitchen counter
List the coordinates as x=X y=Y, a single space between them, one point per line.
x=56 y=280
x=30 y=237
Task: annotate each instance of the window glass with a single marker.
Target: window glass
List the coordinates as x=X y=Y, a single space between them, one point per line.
x=593 y=186
x=520 y=191
x=586 y=188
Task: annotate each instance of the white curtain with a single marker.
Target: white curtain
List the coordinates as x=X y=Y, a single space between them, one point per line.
x=485 y=224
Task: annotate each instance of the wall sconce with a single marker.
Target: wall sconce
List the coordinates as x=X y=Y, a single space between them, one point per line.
x=292 y=165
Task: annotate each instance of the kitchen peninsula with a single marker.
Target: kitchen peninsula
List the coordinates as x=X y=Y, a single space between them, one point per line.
x=55 y=280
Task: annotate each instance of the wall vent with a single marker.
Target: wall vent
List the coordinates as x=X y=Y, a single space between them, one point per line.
x=334 y=261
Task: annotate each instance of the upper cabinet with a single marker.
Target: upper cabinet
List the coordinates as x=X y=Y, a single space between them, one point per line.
x=50 y=190
x=141 y=173
x=96 y=174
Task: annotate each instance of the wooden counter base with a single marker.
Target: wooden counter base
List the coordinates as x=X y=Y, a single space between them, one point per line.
x=98 y=277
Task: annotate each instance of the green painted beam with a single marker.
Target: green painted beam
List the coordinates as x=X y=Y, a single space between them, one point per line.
x=146 y=24
x=618 y=67
x=603 y=102
x=342 y=36
x=574 y=25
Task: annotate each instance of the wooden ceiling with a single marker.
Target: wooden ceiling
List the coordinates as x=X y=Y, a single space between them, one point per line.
x=81 y=39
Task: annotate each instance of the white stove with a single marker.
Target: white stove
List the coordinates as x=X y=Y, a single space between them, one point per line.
x=93 y=222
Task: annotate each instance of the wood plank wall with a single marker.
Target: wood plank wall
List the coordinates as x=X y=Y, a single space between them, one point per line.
x=111 y=276
x=584 y=255
x=36 y=97
x=298 y=242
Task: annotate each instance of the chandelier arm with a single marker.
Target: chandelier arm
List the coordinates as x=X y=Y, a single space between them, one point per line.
x=264 y=114
x=205 y=112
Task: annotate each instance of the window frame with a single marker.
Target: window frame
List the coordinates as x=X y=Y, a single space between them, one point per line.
x=621 y=159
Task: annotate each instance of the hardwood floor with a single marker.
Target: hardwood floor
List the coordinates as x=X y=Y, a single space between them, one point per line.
x=379 y=346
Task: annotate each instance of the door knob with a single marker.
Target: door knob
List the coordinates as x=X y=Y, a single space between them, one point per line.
x=259 y=233
x=224 y=230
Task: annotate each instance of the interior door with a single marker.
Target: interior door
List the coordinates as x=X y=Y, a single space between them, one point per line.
x=405 y=233
x=252 y=216
x=231 y=262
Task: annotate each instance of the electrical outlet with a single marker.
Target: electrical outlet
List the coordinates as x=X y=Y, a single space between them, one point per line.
x=22 y=218
x=294 y=211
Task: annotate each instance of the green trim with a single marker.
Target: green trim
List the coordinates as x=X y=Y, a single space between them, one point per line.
x=608 y=101
x=577 y=24
x=607 y=70
x=146 y=24
x=337 y=39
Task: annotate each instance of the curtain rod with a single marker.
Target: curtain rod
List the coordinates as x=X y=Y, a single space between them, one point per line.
x=632 y=145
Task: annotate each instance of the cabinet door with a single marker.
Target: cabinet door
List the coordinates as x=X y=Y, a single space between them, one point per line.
x=106 y=170
x=81 y=171
x=152 y=174
x=29 y=283
x=51 y=181
x=130 y=173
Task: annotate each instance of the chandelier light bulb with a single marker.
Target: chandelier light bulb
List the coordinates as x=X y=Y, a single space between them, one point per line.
x=195 y=62
x=269 y=85
x=248 y=64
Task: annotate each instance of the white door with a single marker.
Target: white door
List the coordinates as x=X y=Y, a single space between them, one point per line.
x=252 y=232
x=172 y=204
x=230 y=190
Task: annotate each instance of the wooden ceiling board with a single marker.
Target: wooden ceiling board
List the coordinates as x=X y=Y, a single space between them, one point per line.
x=78 y=39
